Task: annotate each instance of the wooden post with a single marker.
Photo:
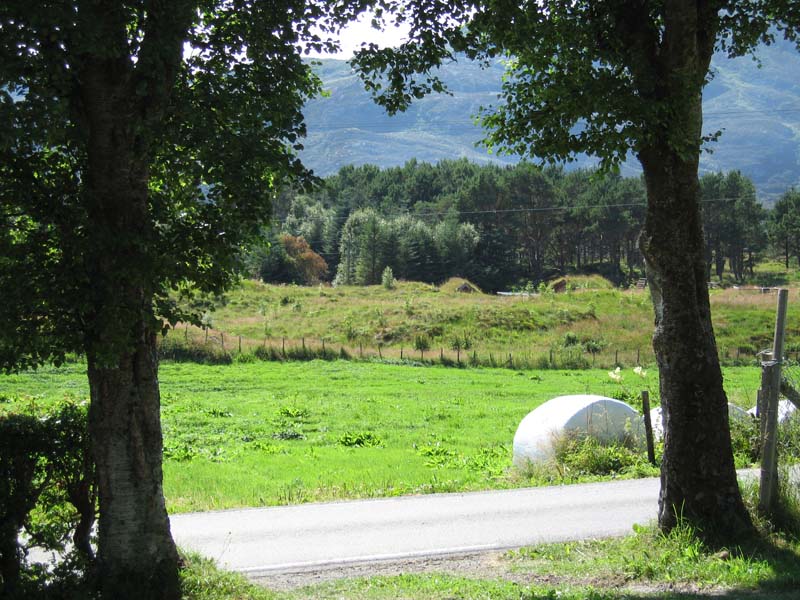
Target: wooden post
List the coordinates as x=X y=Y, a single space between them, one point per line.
x=240 y=344
x=401 y=353
x=360 y=350
x=206 y=335
x=780 y=325
x=379 y=352
x=770 y=392
x=303 y=343
x=323 y=346
x=441 y=354
x=770 y=380
x=648 y=428
x=222 y=339
x=616 y=358
x=637 y=357
x=186 y=332
x=551 y=358
x=458 y=355
x=283 y=346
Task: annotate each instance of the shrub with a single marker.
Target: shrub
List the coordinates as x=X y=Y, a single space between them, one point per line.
x=422 y=343
x=570 y=339
x=745 y=441
x=47 y=490
x=585 y=455
x=387 y=279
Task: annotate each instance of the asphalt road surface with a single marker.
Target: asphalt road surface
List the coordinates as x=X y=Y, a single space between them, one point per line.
x=312 y=536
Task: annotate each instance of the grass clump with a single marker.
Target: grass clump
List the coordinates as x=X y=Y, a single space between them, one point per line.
x=579 y=455
x=201 y=579
x=360 y=439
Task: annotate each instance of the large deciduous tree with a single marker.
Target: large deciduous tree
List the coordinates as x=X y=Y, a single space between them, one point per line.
x=613 y=78
x=141 y=143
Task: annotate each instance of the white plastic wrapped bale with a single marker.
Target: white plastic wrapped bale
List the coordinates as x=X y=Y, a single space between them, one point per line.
x=735 y=413
x=657 y=423
x=606 y=419
x=785 y=410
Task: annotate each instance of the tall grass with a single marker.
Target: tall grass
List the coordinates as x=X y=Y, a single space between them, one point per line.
x=590 y=325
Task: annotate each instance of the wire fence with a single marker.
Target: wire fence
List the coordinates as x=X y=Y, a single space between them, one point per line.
x=210 y=345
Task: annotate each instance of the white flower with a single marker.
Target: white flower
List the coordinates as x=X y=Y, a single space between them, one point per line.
x=640 y=372
x=615 y=375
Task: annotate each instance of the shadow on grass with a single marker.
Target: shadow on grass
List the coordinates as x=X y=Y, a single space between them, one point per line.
x=781 y=559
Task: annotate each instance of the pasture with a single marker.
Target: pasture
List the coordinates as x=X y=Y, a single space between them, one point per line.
x=267 y=433
x=592 y=324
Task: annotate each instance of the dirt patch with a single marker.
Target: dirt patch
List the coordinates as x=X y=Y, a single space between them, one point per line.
x=487 y=565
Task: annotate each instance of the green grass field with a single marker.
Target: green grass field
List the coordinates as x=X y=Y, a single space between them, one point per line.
x=265 y=433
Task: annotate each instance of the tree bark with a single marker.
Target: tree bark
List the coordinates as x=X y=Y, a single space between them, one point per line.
x=698 y=478
x=137 y=558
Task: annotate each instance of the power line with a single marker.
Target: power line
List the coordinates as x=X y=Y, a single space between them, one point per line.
x=500 y=211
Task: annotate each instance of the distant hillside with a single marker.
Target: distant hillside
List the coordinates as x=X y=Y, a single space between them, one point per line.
x=758 y=107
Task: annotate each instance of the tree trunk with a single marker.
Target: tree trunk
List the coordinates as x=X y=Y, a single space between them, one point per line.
x=698 y=478
x=137 y=558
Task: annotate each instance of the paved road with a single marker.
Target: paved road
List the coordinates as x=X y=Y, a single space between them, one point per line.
x=311 y=536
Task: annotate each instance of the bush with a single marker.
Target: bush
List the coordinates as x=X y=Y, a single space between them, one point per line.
x=47 y=491
x=387 y=278
x=585 y=455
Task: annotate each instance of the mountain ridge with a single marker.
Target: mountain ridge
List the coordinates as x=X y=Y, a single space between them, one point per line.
x=755 y=103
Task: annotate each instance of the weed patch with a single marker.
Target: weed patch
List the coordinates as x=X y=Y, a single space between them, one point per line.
x=360 y=439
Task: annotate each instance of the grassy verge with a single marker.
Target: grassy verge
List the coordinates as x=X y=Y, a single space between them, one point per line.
x=644 y=565
x=255 y=434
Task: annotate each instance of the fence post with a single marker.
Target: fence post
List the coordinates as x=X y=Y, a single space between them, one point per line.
x=206 y=335
x=616 y=358
x=401 y=353
x=240 y=344
x=283 y=346
x=770 y=371
x=770 y=391
x=323 y=346
x=648 y=428
x=222 y=340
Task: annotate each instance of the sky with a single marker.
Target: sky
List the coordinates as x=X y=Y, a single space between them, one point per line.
x=361 y=31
